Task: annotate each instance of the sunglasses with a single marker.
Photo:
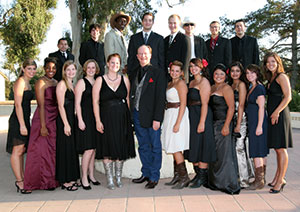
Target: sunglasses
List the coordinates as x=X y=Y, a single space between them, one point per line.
x=189 y=24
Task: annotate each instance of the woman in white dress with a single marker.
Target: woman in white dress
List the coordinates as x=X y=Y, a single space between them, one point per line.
x=175 y=129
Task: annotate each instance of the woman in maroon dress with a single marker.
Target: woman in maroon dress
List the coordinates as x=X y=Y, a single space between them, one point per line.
x=40 y=163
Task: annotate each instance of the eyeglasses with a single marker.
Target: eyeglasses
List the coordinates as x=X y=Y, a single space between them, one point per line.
x=189 y=24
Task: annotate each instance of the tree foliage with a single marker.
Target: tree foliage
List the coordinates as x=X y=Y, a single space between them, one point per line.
x=22 y=28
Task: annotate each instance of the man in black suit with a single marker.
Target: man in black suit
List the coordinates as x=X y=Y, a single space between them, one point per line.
x=147 y=98
x=146 y=37
x=93 y=49
x=196 y=44
x=219 y=48
x=176 y=44
x=244 y=48
x=62 y=55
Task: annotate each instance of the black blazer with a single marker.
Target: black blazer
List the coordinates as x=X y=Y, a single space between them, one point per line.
x=200 y=48
x=60 y=62
x=177 y=50
x=249 y=50
x=152 y=101
x=220 y=54
x=88 y=50
x=155 y=41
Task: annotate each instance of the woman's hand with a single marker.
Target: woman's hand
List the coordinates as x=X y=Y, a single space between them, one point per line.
x=237 y=129
x=44 y=131
x=274 y=117
x=225 y=130
x=258 y=131
x=176 y=128
x=200 y=128
x=81 y=125
x=100 y=127
x=67 y=130
x=23 y=130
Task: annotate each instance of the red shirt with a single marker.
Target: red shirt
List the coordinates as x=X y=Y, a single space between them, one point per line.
x=213 y=42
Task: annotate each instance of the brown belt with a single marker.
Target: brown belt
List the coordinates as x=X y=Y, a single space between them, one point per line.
x=172 y=105
x=193 y=102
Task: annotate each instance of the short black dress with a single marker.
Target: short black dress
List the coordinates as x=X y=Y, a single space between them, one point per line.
x=117 y=142
x=280 y=134
x=14 y=136
x=86 y=139
x=202 y=145
x=67 y=160
x=257 y=144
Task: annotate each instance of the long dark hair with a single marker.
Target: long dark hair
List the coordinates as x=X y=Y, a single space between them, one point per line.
x=267 y=72
x=222 y=68
x=198 y=62
x=255 y=69
x=243 y=74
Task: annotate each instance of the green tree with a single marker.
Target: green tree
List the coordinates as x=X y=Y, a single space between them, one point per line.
x=23 y=28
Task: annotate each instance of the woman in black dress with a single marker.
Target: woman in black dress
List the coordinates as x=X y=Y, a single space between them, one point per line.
x=202 y=142
x=67 y=161
x=257 y=125
x=223 y=174
x=113 y=121
x=86 y=132
x=19 y=122
x=279 y=122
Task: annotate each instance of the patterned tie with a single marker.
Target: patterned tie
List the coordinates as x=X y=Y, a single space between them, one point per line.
x=170 y=40
x=213 y=43
x=146 y=38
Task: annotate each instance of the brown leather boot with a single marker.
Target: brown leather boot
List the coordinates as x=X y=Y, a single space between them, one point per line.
x=184 y=179
x=259 y=179
x=176 y=176
x=265 y=168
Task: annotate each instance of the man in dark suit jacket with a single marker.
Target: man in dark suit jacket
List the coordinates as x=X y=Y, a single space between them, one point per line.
x=146 y=37
x=176 y=44
x=244 y=48
x=219 y=48
x=62 y=55
x=93 y=49
x=147 y=98
x=196 y=45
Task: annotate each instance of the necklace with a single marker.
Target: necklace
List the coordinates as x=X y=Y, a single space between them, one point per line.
x=112 y=79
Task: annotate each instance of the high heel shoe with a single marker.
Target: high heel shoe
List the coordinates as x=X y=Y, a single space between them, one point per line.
x=93 y=182
x=273 y=191
x=271 y=185
x=85 y=187
x=22 y=191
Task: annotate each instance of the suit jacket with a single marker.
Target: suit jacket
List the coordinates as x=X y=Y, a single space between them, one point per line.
x=92 y=50
x=152 y=101
x=155 y=41
x=114 y=44
x=248 y=53
x=177 y=50
x=220 y=54
x=60 y=62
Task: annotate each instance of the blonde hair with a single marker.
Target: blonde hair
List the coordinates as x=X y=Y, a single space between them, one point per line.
x=66 y=65
x=84 y=69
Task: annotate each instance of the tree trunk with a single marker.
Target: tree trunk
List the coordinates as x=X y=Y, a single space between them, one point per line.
x=76 y=25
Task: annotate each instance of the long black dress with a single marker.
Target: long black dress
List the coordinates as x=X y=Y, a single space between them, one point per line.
x=14 y=136
x=67 y=161
x=86 y=139
x=202 y=145
x=280 y=134
x=223 y=174
x=117 y=142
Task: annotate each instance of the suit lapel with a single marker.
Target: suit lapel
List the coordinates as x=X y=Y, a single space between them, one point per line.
x=119 y=39
x=149 y=75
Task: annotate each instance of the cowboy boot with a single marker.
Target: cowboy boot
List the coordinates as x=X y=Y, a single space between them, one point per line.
x=118 y=173
x=109 y=175
x=201 y=180
x=176 y=176
x=259 y=179
x=184 y=179
x=265 y=169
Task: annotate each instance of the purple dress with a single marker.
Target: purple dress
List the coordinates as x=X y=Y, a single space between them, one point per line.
x=40 y=162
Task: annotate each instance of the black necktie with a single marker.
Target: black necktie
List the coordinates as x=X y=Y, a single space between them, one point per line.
x=146 y=37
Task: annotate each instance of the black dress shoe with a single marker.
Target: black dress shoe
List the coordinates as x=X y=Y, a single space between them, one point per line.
x=151 y=184
x=93 y=182
x=140 y=180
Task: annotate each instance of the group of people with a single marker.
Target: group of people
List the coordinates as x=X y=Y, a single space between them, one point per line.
x=191 y=98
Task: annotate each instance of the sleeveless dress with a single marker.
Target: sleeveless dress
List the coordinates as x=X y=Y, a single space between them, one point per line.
x=280 y=134
x=245 y=164
x=40 y=161
x=175 y=142
x=223 y=174
x=86 y=139
x=202 y=145
x=117 y=142
x=67 y=160
x=14 y=136
x=257 y=144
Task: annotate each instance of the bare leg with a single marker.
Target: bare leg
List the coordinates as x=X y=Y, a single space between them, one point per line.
x=282 y=166
x=178 y=156
x=203 y=165
x=275 y=179
x=92 y=167
x=16 y=163
x=85 y=165
x=258 y=162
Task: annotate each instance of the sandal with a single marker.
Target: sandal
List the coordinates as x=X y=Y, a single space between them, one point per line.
x=69 y=188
